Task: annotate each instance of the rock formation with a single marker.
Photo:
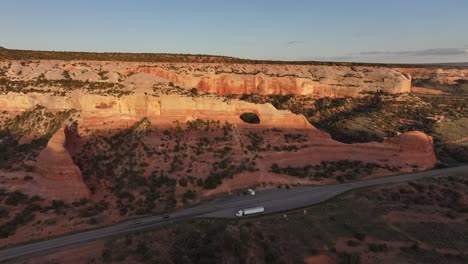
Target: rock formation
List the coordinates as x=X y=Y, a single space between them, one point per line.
x=160 y=110
x=272 y=79
x=61 y=178
x=161 y=92
x=221 y=79
x=438 y=75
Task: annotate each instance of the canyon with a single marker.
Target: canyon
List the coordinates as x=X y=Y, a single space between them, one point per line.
x=163 y=94
x=109 y=140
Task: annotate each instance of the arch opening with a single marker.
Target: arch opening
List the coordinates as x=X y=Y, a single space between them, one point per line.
x=250 y=118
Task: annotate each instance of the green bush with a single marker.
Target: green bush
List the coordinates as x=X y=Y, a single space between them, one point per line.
x=190 y=195
x=92 y=221
x=378 y=247
x=16 y=198
x=360 y=236
x=348 y=258
x=4 y=213
x=352 y=243
x=183 y=182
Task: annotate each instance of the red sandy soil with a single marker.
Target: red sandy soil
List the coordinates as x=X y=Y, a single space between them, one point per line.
x=321 y=259
x=257 y=178
x=413 y=217
x=422 y=90
x=458 y=140
x=79 y=254
x=341 y=244
x=409 y=148
x=368 y=257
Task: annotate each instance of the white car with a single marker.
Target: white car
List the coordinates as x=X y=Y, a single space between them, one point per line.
x=251 y=191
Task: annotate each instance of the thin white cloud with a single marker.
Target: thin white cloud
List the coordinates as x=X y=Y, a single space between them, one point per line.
x=425 y=52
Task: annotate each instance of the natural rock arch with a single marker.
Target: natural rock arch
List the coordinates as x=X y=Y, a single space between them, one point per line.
x=249 y=117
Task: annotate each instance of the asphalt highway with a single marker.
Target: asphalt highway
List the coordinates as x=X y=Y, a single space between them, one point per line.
x=274 y=200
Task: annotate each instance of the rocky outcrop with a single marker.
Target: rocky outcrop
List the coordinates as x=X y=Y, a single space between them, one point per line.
x=61 y=178
x=301 y=80
x=441 y=76
x=222 y=79
x=106 y=112
x=408 y=151
x=415 y=147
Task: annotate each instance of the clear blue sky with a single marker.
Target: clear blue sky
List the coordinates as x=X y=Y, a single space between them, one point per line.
x=352 y=30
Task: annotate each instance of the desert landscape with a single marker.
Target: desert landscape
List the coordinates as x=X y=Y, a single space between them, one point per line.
x=90 y=142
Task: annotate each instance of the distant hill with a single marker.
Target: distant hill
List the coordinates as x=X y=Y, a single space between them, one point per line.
x=15 y=54
x=2 y=48
x=458 y=64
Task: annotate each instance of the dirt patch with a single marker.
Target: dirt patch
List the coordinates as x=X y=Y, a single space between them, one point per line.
x=413 y=217
x=87 y=253
x=321 y=259
x=251 y=179
x=422 y=90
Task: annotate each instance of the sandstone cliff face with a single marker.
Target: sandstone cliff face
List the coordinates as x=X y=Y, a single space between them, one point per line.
x=437 y=75
x=301 y=80
x=407 y=151
x=61 y=178
x=221 y=79
x=95 y=110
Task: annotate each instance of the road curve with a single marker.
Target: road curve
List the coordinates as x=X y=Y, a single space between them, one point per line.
x=274 y=200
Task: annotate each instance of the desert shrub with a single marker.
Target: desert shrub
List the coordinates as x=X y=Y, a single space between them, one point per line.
x=352 y=243
x=295 y=138
x=106 y=255
x=190 y=195
x=4 y=213
x=360 y=236
x=7 y=230
x=212 y=182
x=378 y=247
x=183 y=182
x=57 y=204
x=349 y=258
x=194 y=91
x=200 y=182
x=16 y=198
x=92 y=221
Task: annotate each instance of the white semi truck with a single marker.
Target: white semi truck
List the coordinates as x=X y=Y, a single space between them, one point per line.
x=249 y=211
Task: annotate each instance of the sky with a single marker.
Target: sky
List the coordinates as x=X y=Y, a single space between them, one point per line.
x=389 y=31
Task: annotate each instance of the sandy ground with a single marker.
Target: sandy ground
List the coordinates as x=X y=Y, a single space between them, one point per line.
x=87 y=253
x=321 y=259
x=413 y=217
x=461 y=140
x=422 y=90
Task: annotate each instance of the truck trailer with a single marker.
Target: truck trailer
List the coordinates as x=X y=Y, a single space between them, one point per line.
x=249 y=211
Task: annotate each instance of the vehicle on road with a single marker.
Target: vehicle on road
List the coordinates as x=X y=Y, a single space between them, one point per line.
x=251 y=191
x=249 y=211
x=137 y=222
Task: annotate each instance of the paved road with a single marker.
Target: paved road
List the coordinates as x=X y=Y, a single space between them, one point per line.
x=275 y=200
